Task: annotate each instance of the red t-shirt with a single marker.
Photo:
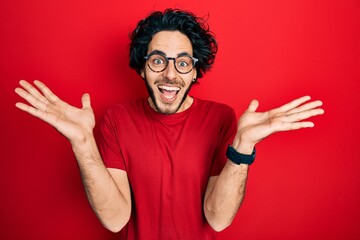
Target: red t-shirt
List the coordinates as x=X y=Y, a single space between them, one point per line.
x=168 y=160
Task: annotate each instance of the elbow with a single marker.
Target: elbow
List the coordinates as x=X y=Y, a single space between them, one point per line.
x=218 y=227
x=115 y=226
x=217 y=221
x=116 y=222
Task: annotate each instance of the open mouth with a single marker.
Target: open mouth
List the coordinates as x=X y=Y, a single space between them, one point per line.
x=169 y=93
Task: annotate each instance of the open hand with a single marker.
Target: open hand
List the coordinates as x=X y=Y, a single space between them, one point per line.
x=74 y=123
x=254 y=126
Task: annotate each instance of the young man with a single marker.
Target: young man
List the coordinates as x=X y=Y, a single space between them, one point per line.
x=171 y=166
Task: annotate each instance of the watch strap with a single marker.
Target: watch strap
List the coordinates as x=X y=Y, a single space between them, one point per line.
x=239 y=158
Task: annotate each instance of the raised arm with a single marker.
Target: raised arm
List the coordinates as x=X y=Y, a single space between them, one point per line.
x=225 y=192
x=107 y=190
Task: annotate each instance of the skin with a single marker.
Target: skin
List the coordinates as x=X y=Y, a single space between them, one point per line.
x=171 y=43
x=108 y=189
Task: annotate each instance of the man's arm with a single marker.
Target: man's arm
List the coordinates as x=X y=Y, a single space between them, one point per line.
x=225 y=192
x=108 y=190
x=224 y=195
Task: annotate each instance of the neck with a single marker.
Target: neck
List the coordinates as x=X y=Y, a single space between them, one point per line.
x=184 y=105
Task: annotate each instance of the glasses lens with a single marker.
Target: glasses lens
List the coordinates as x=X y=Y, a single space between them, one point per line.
x=157 y=62
x=184 y=64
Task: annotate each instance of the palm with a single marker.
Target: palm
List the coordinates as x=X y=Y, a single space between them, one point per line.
x=72 y=122
x=255 y=126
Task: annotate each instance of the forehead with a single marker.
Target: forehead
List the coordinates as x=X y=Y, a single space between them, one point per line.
x=171 y=43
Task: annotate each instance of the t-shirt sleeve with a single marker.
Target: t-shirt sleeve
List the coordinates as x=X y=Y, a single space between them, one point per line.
x=227 y=133
x=109 y=142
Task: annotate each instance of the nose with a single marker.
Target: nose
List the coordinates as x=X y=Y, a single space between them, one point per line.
x=170 y=71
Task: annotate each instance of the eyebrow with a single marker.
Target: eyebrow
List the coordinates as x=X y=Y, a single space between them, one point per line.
x=162 y=53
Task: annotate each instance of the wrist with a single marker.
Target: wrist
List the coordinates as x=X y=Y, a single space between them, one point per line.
x=243 y=147
x=86 y=139
x=240 y=158
x=86 y=149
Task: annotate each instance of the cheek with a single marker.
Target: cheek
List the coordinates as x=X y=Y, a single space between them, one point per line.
x=150 y=76
x=190 y=79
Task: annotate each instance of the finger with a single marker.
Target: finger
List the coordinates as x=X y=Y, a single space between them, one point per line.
x=293 y=126
x=299 y=125
x=293 y=104
x=86 y=103
x=33 y=91
x=306 y=107
x=254 y=104
x=31 y=110
x=35 y=102
x=46 y=91
x=296 y=117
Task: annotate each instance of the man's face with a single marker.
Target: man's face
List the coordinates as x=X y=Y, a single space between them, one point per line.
x=169 y=89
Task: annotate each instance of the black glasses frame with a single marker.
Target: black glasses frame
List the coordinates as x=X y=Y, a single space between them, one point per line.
x=194 y=61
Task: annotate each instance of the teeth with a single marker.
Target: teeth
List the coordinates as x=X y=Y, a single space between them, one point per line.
x=169 y=88
x=169 y=97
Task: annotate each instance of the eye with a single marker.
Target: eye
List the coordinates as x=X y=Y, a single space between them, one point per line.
x=158 y=61
x=183 y=64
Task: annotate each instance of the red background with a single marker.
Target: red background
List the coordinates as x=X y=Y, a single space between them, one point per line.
x=304 y=184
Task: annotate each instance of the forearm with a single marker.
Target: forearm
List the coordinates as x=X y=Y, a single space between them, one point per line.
x=223 y=200
x=107 y=201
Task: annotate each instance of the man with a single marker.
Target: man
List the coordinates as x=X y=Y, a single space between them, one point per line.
x=171 y=166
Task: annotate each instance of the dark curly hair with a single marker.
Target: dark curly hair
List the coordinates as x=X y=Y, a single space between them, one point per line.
x=203 y=41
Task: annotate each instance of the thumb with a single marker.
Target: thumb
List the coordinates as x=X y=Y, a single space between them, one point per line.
x=85 y=100
x=254 y=104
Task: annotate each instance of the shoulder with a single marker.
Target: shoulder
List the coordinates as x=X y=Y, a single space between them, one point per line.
x=124 y=110
x=219 y=116
x=121 y=108
x=212 y=107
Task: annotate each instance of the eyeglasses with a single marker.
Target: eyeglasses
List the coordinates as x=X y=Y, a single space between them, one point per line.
x=158 y=62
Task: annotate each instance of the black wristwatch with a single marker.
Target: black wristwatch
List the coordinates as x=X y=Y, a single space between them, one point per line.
x=239 y=158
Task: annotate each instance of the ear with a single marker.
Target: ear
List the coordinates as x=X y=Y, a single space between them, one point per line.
x=142 y=73
x=195 y=75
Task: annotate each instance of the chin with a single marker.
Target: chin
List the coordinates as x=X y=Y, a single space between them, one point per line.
x=166 y=108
